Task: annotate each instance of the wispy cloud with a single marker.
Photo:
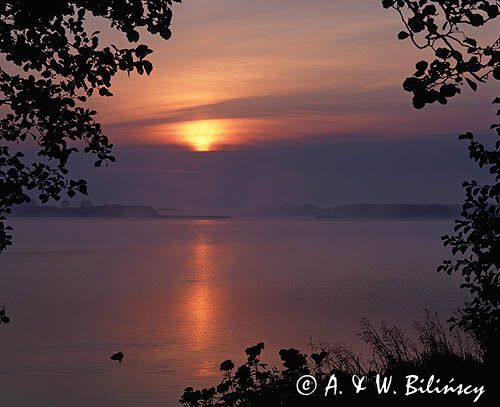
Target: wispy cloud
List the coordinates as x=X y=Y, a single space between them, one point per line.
x=278 y=70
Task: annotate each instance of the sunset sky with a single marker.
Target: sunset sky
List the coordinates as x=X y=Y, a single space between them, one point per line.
x=239 y=73
x=282 y=100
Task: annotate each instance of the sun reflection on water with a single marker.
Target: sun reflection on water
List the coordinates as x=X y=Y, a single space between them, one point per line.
x=202 y=307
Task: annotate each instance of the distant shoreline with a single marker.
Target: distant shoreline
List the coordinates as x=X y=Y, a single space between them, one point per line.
x=365 y=211
x=353 y=212
x=450 y=219
x=234 y=218
x=100 y=212
x=160 y=217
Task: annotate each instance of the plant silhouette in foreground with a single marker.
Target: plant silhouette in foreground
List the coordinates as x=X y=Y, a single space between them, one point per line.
x=56 y=64
x=476 y=246
x=438 y=25
x=460 y=58
x=434 y=353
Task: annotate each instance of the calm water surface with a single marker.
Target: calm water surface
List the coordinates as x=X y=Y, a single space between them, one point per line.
x=178 y=297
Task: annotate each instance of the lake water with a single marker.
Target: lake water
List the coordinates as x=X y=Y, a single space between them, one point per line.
x=179 y=297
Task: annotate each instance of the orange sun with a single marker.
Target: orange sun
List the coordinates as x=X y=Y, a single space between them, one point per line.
x=202 y=135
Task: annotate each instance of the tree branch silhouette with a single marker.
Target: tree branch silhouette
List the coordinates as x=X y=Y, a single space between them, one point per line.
x=55 y=66
x=461 y=59
x=439 y=25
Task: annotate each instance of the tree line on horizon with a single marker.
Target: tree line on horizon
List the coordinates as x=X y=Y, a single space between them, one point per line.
x=56 y=65
x=364 y=210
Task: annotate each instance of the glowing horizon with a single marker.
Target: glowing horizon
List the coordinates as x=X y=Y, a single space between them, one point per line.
x=220 y=81
x=202 y=135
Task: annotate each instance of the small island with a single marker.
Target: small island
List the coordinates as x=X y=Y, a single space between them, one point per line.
x=364 y=211
x=100 y=211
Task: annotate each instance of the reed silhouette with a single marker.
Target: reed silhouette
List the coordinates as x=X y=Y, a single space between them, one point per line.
x=447 y=28
x=459 y=60
x=435 y=352
x=61 y=65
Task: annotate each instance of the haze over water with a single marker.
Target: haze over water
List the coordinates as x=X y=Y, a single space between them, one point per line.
x=179 y=297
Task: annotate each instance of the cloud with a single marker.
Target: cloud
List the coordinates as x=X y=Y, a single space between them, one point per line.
x=365 y=169
x=267 y=118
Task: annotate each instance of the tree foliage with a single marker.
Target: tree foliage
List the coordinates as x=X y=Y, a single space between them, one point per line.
x=460 y=58
x=476 y=246
x=51 y=65
x=447 y=27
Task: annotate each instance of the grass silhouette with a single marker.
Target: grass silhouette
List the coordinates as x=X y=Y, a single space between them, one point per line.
x=435 y=352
